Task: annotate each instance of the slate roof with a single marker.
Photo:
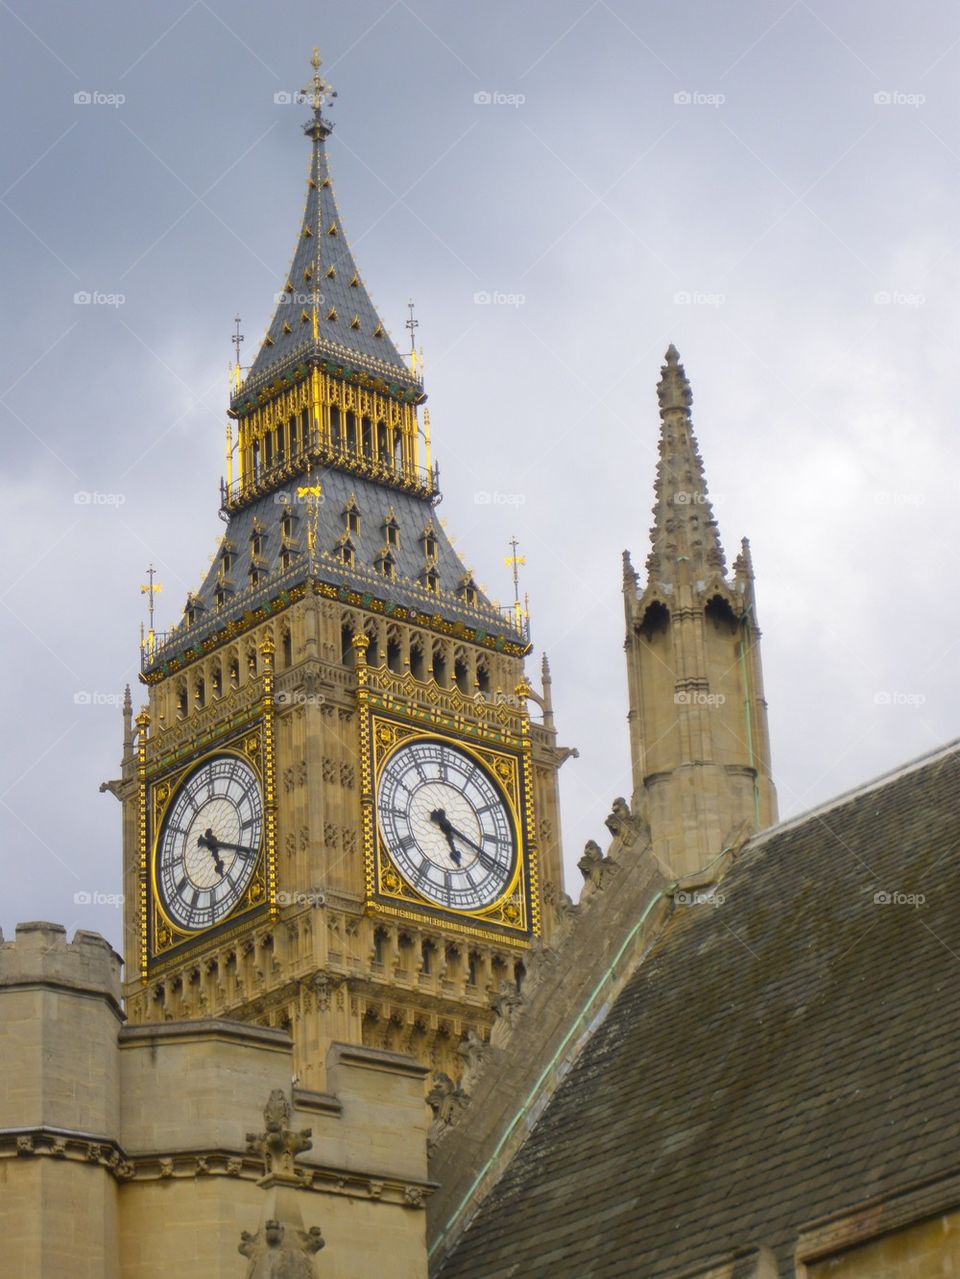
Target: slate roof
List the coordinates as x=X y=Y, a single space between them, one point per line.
x=778 y=1057
x=375 y=502
x=323 y=282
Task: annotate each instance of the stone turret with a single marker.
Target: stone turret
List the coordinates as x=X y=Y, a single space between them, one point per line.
x=698 y=719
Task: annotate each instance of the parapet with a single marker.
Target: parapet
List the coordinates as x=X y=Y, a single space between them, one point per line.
x=41 y=956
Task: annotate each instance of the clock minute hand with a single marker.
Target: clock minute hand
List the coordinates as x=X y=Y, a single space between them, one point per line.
x=439 y=818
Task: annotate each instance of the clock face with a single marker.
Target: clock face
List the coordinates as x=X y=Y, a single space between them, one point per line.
x=210 y=842
x=446 y=825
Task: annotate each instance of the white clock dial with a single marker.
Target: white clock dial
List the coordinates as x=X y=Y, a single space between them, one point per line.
x=210 y=842
x=446 y=824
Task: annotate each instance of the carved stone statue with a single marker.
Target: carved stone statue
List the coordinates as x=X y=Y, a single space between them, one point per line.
x=591 y=864
x=445 y=1098
x=471 y=1051
x=278 y=1251
x=278 y=1146
x=506 y=1001
x=625 y=825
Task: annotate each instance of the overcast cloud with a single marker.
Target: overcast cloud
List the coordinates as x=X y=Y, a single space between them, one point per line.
x=772 y=187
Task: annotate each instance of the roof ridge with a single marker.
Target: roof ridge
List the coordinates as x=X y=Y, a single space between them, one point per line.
x=855 y=792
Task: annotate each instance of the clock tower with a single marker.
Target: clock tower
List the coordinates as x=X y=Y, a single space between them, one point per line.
x=340 y=801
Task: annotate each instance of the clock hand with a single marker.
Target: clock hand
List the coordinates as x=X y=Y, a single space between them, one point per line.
x=465 y=839
x=235 y=848
x=209 y=840
x=439 y=818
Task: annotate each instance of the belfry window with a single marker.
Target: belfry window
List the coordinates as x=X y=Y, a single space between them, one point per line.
x=366 y=427
x=294 y=435
x=335 y=434
x=391 y=529
x=352 y=513
x=351 y=431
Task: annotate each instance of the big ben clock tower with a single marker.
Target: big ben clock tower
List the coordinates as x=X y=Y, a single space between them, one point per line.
x=340 y=802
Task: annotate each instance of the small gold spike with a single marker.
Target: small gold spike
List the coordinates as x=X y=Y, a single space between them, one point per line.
x=378 y=331
x=268 y=340
x=355 y=322
x=332 y=313
x=287 y=328
x=331 y=273
x=304 y=317
x=325 y=182
x=308 y=273
x=332 y=229
x=355 y=282
x=307 y=232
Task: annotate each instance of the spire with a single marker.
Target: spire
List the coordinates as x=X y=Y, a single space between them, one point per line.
x=684 y=528
x=324 y=313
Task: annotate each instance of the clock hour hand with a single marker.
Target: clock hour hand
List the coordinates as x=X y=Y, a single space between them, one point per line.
x=209 y=840
x=458 y=834
x=439 y=818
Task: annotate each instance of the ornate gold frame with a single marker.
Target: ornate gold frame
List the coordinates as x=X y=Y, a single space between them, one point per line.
x=161 y=940
x=515 y=914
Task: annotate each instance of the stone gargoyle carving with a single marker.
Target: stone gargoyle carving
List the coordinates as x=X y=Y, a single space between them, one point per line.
x=445 y=1098
x=278 y=1146
x=592 y=865
x=622 y=824
x=279 y=1251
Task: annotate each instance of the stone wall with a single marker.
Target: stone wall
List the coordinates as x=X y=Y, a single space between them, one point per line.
x=125 y=1152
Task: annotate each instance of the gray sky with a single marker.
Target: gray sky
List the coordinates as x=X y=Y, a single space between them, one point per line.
x=772 y=187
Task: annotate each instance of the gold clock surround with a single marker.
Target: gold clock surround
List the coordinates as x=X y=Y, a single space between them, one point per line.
x=387 y=890
x=161 y=939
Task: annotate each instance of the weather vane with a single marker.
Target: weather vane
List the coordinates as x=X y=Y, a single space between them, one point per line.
x=151 y=589
x=412 y=324
x=515 y=562
x=319 y=92
x=236 y=340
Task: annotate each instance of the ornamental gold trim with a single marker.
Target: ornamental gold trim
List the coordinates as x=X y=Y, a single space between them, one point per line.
x=161 y=938
x=516 y=912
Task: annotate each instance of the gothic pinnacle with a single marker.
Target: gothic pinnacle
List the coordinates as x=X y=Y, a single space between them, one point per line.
x=673 y=389
x=684 y=528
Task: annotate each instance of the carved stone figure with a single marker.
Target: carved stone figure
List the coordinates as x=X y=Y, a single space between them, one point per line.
x=506 y=1001
x=445 y=1098
x=278 y=1146
x=621 y=823
x=591 y=865
x=471 y=1051
x=278 y=1251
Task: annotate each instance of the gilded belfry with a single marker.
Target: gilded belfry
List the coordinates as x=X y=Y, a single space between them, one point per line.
x=698 y=719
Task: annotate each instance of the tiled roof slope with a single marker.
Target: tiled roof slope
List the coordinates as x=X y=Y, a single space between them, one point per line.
x=324 y=285
x=776 y=1058
x=375 y=504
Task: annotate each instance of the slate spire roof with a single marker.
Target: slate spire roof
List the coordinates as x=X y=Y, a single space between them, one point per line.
x=684 y=526
x=323 y=308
